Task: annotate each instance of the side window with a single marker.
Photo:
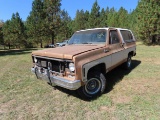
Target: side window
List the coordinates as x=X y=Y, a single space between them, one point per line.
x=127 y=36
x=113 y=39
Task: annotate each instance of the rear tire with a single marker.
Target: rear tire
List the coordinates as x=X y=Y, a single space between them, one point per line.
x=128 y=63
x=94 y=86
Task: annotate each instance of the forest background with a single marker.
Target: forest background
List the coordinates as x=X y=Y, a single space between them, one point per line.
x=47 y=23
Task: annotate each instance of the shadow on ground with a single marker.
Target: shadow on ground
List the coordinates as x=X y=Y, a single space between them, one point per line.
x=112 y=77
x=15 y=52
x=117 y=74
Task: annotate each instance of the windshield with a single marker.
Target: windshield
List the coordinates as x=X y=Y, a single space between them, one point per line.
x=89 y=37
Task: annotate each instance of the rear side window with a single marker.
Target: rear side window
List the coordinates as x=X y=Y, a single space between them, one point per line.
x=127 y=36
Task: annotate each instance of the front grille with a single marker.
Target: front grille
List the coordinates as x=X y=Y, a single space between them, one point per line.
x=44 y=64
x=56 y=66
x=41 y=63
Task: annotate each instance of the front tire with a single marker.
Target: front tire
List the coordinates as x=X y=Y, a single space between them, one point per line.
x=94 y=86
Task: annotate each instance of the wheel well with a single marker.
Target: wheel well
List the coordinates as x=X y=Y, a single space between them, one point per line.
x=131 y=53
x=100 y=67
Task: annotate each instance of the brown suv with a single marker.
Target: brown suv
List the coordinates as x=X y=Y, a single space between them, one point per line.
x=82 y=64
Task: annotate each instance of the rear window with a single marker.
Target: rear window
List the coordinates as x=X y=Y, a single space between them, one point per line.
x=127 y=36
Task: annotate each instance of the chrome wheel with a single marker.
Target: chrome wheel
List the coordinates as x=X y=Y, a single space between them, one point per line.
x=93 y=86
x=129 y=62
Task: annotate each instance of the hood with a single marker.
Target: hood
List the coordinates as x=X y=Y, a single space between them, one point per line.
x=66 y=52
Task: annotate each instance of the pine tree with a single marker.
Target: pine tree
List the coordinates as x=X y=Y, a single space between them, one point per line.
x=112 y=20
x=133 y=23
x=13 y=31
x=86 y=19
x=148 y=20
x=7 y=33
x=52 y=19
x=122 y=18
x=35 y=23
x=1 y=32
x=81 y=20
x=94 y=20
x=103 y=18
x=65 y=29
x=17 y=30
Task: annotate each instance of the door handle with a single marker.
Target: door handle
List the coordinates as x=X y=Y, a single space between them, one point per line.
x=106 y=50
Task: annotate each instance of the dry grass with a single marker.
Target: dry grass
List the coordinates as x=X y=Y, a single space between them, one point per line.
x=131 y=94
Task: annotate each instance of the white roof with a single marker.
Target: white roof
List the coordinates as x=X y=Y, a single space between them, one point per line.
x=105 y=28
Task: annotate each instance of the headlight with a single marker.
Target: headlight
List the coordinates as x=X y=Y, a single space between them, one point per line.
x=35 y=60
x=71 y=67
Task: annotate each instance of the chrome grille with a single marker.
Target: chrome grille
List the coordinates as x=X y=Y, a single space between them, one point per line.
x=41 y=63
x=56 y=66
x=44 y=63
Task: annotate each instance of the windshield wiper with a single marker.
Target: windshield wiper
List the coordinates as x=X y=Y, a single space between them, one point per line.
x=86 y=43
x=70 y=43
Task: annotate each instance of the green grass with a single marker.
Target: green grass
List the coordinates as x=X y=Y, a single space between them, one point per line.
x=132 y=95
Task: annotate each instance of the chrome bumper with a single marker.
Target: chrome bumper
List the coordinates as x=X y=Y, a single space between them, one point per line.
x=68 y=84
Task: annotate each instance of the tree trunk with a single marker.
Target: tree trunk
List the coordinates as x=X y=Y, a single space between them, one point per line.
x=158 y=38
x=41 y=44
x=52 y=38
x=9 y=45
x=153 y=39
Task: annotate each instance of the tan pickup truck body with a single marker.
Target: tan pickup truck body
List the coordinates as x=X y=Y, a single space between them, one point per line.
x=72 y=66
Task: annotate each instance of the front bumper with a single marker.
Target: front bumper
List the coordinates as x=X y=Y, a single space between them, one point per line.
x=46 y=75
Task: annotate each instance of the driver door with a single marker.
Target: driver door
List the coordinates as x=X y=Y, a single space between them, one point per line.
x=116 y=47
